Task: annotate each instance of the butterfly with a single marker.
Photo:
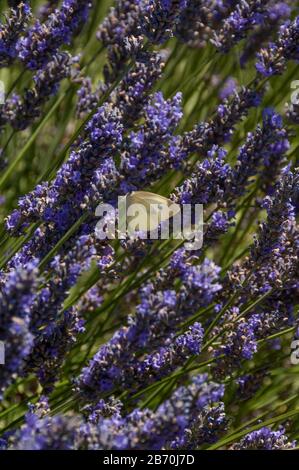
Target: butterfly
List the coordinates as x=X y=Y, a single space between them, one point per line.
x=148 y=211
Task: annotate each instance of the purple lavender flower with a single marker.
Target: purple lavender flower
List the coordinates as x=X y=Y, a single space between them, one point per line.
x=120 y=34
x=162 y=309
x=132 y=94
x=97 y=378
x=151 y=150
x=273 y=264
x=18 y=292
x=242 y=19
x=42 y=41
x=87 y=98
x=3 y=444
x=121 y=22
x=51 y=202
x=210 y=424
x=207 y=182
x=249 y=384
x=240 y=337
x=219 y=224
x=265 y=147
x=228 y=89
x=21 y=112
x=55 y=330
x=276 y=14
x=265 y=439
x=239 y=343
x=189 y=415
x=273 y=59
x=279 y=10
x=17 y=342
x=157 y=317
x=220 y=128
x=10 y=32
x=66 y=268
x=57 y=433
x=85 y=173
x=193 y=413
x=160 y=17
x=108 y=408
x=49 y=349
x=273 y=234
x=47 y=9
x=200 y=19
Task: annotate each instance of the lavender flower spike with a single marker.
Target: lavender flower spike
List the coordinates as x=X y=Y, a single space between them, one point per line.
x=18 y=292
x=16 y=23
x=160 y=18
x=200 y=19
x=273 y=59
x=42 y=41
x=121 y=22
x=267 y=146
x=235 y=27
x=192 y=416
x=97 y=378
x=20 y=113
x=265 y=439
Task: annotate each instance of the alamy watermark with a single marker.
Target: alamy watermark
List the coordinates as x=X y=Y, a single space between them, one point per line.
x=295 y=352
x=2 y=353
x=144 y=215
x=2 y=92
x=295 y=93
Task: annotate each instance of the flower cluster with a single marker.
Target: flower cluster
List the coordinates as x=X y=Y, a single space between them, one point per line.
x=194 y=415
x=272 y=265
x=264 y=439
x=43 y=40
x=10 y=32
x=160 y=18
x=273 y=59
x=121 y=22
x=21 y=112
x=243 y=18
x=154 y=324
x=18 y=291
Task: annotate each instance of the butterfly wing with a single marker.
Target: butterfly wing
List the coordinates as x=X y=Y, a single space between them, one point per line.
x=158 y=209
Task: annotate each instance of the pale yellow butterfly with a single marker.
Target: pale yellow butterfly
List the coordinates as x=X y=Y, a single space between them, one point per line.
x=156 y=209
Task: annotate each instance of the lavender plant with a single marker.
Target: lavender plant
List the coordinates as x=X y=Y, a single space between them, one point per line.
x=131 y=343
